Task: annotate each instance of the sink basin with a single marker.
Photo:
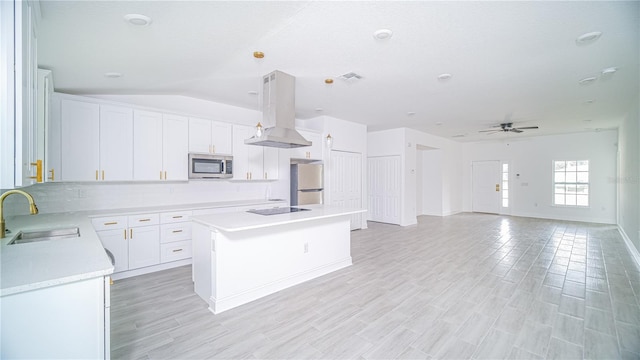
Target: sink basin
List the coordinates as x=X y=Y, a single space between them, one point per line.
x=45 y=235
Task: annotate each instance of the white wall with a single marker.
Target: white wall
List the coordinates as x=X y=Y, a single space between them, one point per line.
x=629 y=176
x=531 y=193
x=405 y=143
x=429 y=184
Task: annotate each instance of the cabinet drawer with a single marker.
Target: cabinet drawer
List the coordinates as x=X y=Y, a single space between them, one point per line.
x=143 y=220
x=109 y=223
x=175 y=232
x=175 y=217
x=175 y=251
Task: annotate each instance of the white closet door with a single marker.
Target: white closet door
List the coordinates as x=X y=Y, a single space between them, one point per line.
x=384 y=189
x=346 y=182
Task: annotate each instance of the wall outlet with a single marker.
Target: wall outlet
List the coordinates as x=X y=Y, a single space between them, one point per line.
x=306 y=248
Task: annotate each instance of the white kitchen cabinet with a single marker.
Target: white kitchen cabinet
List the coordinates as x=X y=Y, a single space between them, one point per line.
x=133 y=240
x=144 y=246
x=313 y=152
x=251 y=162
x=175 y=147
x=69 y=321
x=212 y=137
x=116 y=143
x=80 y=145
x=175 y=236
x=147 y=145
x=26 y=75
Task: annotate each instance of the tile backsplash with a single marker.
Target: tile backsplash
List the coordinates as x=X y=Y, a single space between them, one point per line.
x=66 y=197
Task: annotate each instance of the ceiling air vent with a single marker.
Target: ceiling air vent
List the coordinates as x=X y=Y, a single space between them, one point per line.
x=350 y=77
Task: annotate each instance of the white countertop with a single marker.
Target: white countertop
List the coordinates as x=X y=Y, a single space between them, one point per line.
x=30 y=266
x=240 y=221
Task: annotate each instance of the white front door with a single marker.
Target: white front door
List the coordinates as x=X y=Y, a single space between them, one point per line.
x=486 y=186
x=346 y=183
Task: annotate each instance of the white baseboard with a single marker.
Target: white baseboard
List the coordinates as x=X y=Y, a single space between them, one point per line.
x=150 y=269
x=632 y=249
x=217 y=306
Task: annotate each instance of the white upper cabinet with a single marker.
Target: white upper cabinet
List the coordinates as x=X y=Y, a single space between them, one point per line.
x=80 y=145
x=212 y=137
x=313 y=152
x=251 y=162
x=175 y=147
x=147 y=145
x=116 y=143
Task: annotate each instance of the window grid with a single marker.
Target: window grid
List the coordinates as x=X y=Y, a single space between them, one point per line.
x=571 y=183
x=505 y=185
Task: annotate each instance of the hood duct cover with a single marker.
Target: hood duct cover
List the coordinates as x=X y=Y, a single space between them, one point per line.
x=278 y=113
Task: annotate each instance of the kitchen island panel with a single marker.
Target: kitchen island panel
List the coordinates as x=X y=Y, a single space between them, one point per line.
x=232 y=268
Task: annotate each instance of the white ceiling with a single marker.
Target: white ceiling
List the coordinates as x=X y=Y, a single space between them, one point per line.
x=509 y=60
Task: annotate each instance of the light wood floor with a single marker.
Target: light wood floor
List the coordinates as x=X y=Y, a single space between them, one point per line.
x=463 y=286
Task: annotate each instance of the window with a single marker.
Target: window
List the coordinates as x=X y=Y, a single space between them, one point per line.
x=505 y=185
x=571 y=182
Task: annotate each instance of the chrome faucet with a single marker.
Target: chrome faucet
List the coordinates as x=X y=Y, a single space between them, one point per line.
x=33 y=209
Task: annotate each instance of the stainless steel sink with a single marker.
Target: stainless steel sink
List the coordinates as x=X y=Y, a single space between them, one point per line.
x=45 y=235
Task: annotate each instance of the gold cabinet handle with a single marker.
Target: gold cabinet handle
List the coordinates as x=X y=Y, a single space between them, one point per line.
x=96 y=174
x=177 y=250
x=102 y=174
x=111 y=223
x=265 y=175
x=177 y=217
x=160 y=174
x=176 y=231
x=53 y=174
x=38 y=165
x=497 y=187
x=165 y=175
x=130 y=233
x=125 y=234
x=143 y=220
x=110 y=281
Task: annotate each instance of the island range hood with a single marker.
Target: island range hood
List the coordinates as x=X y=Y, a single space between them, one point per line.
x=278 y=113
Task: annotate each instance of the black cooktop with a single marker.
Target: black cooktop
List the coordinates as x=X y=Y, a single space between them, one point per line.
x=276 y=211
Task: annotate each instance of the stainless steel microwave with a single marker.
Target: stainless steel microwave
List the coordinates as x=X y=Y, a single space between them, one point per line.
x=209 y=166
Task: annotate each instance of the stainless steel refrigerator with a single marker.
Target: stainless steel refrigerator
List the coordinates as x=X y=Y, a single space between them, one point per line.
x=307 y=184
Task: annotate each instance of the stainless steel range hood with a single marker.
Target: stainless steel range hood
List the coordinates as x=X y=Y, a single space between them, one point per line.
x=278 y=113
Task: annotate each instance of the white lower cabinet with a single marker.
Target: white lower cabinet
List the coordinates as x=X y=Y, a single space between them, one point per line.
x=133 y=240
x=144 y=243
x=69 y=321
x=175 y=236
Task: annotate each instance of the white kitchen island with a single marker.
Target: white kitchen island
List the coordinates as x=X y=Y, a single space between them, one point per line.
x=240 y=257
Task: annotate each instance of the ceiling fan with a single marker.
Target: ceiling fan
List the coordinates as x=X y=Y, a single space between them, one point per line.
x=508 y=127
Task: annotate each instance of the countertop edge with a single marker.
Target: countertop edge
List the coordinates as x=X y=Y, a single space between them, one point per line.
x=55 y=282
x=275 y=223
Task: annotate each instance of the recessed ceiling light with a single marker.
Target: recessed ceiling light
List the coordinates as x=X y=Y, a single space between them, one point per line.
x=444 y=77
x=439 y=123
x=383 y=34
x=113 y=75
x=588 y=38
x=411 y=113
x=137 y=19
x=587 y=81
x=252 y=92
x=319 y=109
x=258 y=54
x=589 y=102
